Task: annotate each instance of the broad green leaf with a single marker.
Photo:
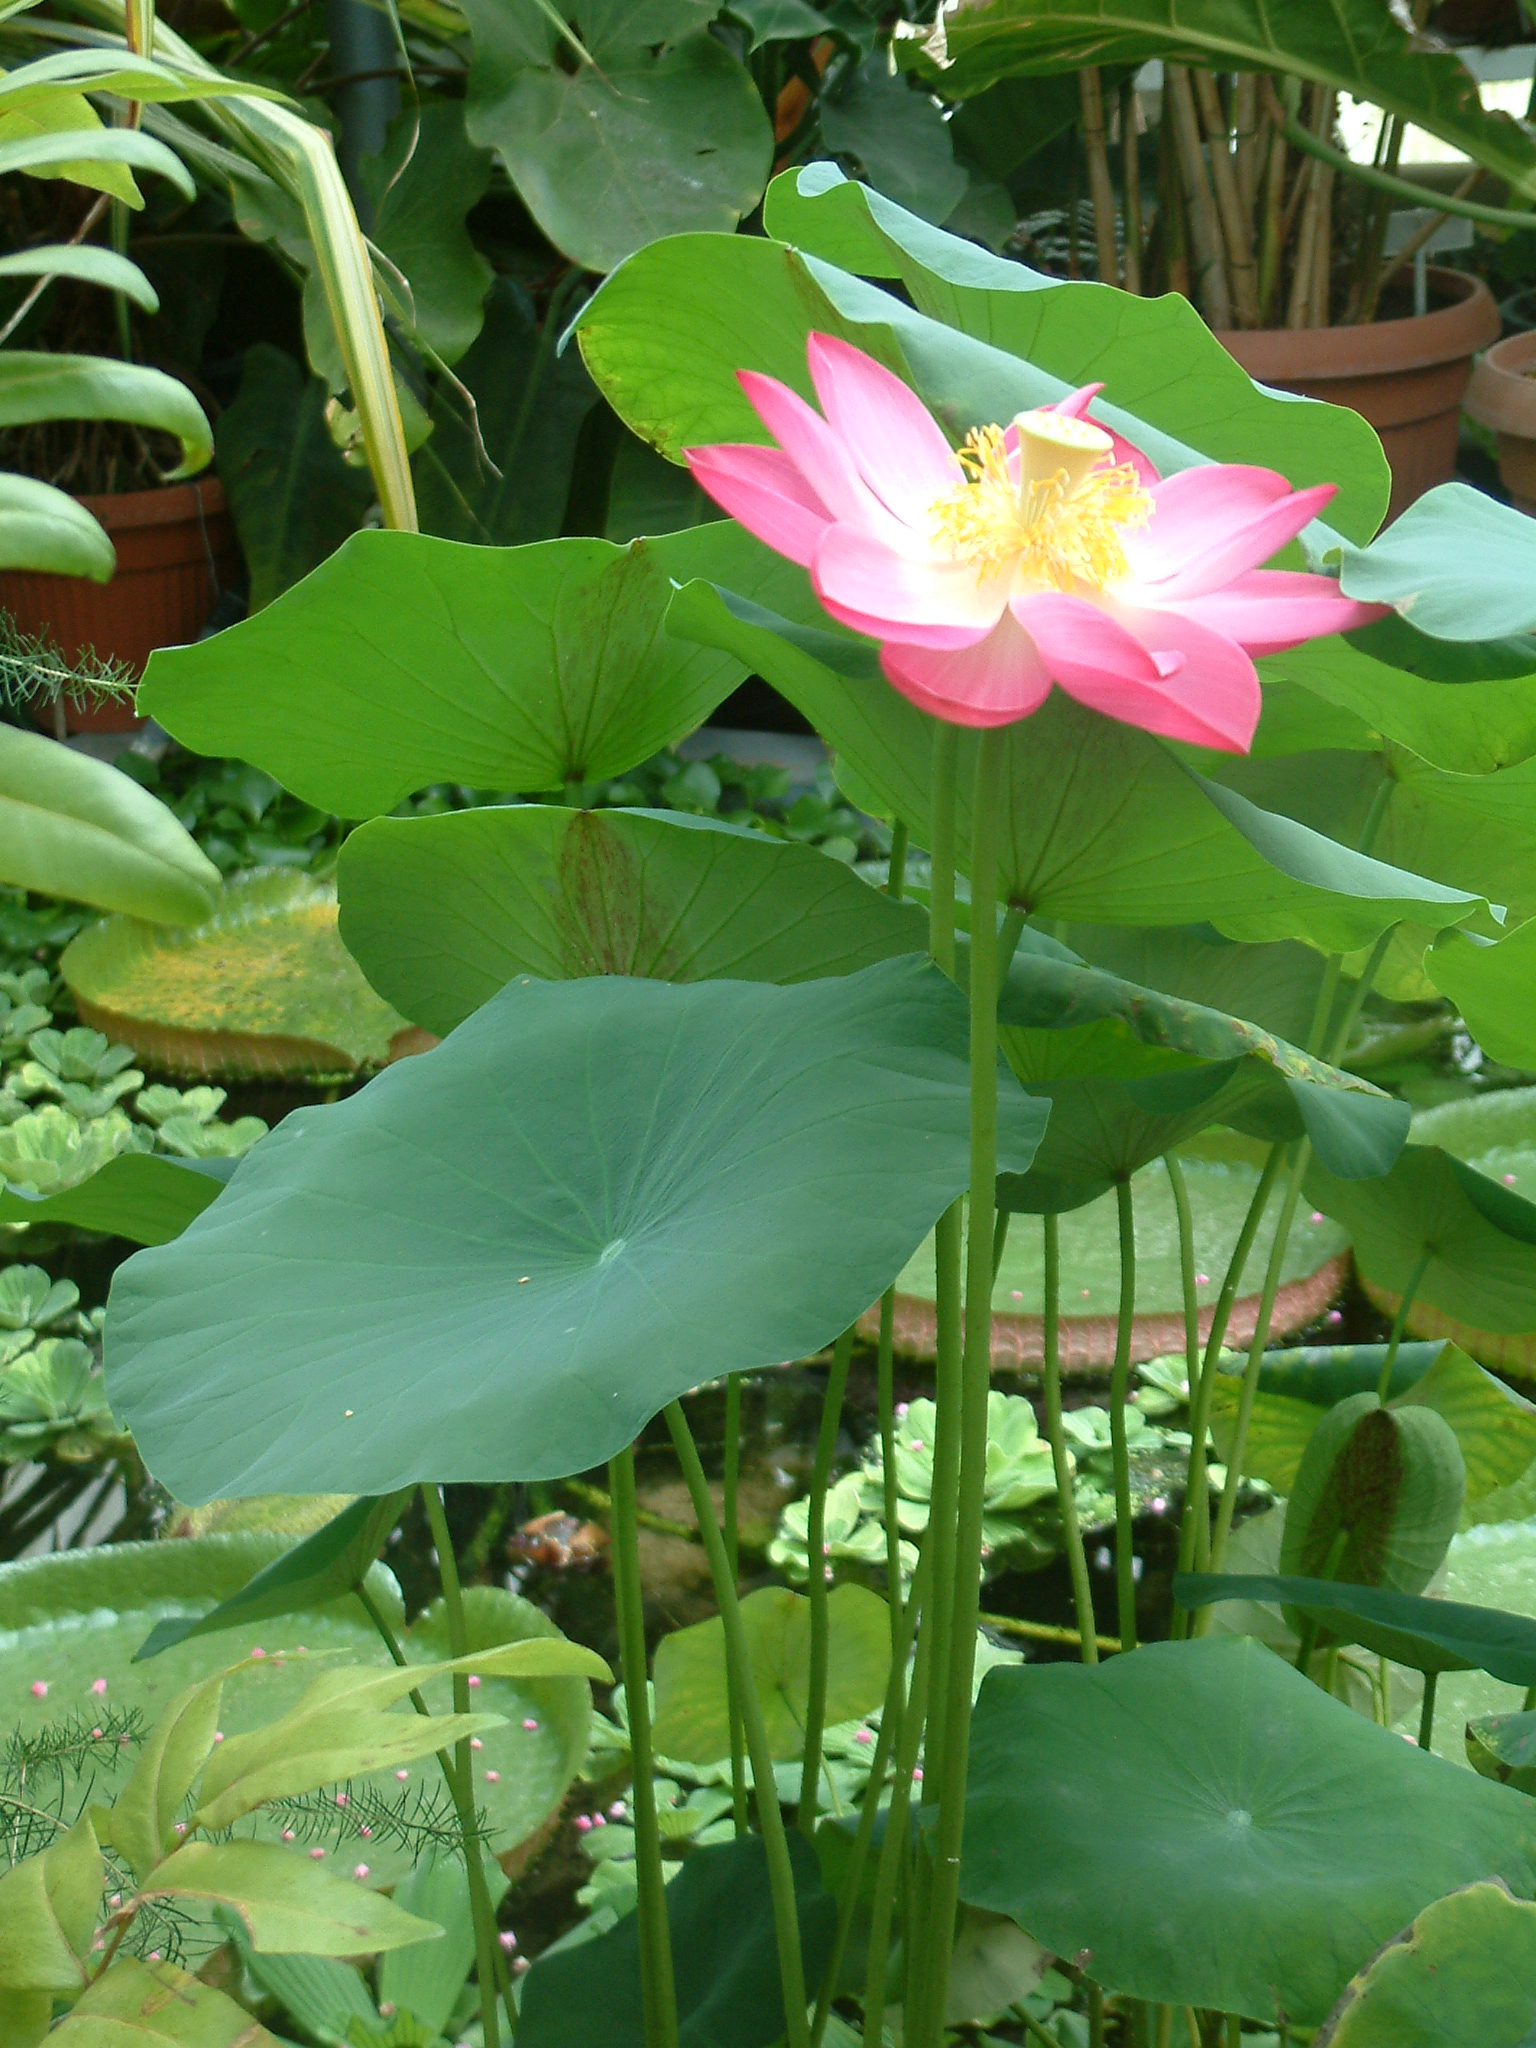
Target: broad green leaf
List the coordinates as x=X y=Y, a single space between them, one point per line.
x=286 y=1902
x=1503 y=1747
x=518 y=669
x=264 y=986
x=48 y=1906
x=692 y=1710
x=529 y=404
x=665 y=336
x=1353 y=48
x=1389 y=1482
x=1464 y=1971
x=1274 y=987
x=72 y=827
x=156 y=2005
x=1457 y=564
x=420 y=226
x=1494 y=1426
x=1278 y=1837
x=1473 y=1238
x=294 y=498
x=45 y=529
x=177 y=1747
x=442 y=912
x=898 y=138
x=542 y=1301
x=610 y=155
x=143 y=1196
x=62 y=387
x=724 y=1959
x=325 y=1566
x=1171 y=848
x=25 y=2017
x=65 y=152
x=1426 y=1635
x=83 y=260
x=1494 y=987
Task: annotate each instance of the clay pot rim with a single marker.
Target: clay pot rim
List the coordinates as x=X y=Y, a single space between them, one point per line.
x=1498 y=395
x=1418 y=342
x=165 y=505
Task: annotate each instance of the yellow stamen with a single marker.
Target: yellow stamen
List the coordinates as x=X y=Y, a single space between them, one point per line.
x=1059 y=525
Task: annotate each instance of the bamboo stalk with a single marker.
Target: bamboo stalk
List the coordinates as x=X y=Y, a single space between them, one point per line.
x=1245 y=127
x=1200 y=207
x=1170 y=221
x=1130 y=178
x=1271 y=244
x=1101 y=189
x=1322 y=252
x=1230 y=211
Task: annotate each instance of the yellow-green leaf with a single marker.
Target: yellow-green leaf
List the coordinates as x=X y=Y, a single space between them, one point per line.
x=288 y=1903
x=142 y=1818
x=48 y=1908
x=153 y=2005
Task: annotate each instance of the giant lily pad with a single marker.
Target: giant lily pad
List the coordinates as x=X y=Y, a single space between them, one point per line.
x=501 y=1258
x=1492 y=1566
x=442 y=912
x=505 y=668
x=1278 y=1838
x=262 y=987
x=77 y=1618
x=1464 y=1971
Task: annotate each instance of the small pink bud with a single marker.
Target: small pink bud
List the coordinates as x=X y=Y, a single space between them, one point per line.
x=1016 y=1293
x=402 y=1775
x=39 y=1688
x=531 y=1725
x=218 y=1734
x=1509 y=1180
x=583 y=1823
x=258 y=1651
x=153 y=1956
x=341 y=1798
x=315 y=1855
x=116 y=1899
x=508 y=1940
x=366 y=1833
x=918 y=1773
x=1202 y=1279
x=96 y=1735
x=519 y=1965
x=287 y=1834
x=359 y=1871
x=475 y=1742
x=617 y=1810
x=181 y=1827
x=473 y=1680
x=493 y=1777
x=1084 y=1292
x=98 y=1686
x=1316 y=1216
x=864 y=1735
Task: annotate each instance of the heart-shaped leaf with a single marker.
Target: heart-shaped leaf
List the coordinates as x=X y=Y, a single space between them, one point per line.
x=1464 y=1971
x=442 y=912
x=540 y=1299
x=693 y=1720
x=1376 y=1497
x=1279 y=1838
x=506 y=668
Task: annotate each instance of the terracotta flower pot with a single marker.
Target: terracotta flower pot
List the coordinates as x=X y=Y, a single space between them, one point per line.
x=1502 y=395
x=1407 y=377
x=176 y=550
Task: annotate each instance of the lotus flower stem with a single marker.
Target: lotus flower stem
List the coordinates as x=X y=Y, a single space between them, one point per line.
x=658 y=1997
x=1119 y=1392
x=1071 y=1534
x=892 y=1849
x=816 y=1579
x=1180 y=1191
x=731 y=1523
x=460 y=1783
x=891 y=1723
x=896 y=874
x=1400 y=1323
x=886 y=1372
x=781 y=1877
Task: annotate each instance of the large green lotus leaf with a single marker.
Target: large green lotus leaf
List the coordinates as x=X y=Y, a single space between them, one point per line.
x=665 y=335
x=610 y=155
x=725 y=1961
x=1352 y=47
x=1278 y=1837
x=502 y=1257
x=147 y=1197
x=441 y=912
x=1458 y=564
x=1376 y=1498
x=1494 y=987
x=1127 y=833
x=404 y=660
x=1495 y=1426
x=693 y=1719
x=262 y=987
x=68 y=1620
x=1425 y=1635
x=1464 y=1972
x=1462 y=729
x=1221 y=1171
x=1272 y=986
x=73 y=827
x=1479 y=1236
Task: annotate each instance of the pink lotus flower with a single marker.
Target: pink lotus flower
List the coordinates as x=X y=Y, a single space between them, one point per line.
x=1049 y=551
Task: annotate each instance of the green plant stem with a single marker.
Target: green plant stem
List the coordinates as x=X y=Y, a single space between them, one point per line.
x=1095 y=2015
x=1179 y=1188
x=1250 y=1386
x=1427 y=1711
x=891 y=1717
x=1234 y=2030
x=941 y=880
x=1400 y=1323
x=461 y=1783
x=1403 y=188
x=1119 y=1393
x=1056 y=1436
x=781 y=1878
x=816 y=1580
x=1045 y=1632
x=976 y=1380
x=1307 y=1641
x=731 y=1520
x=888 y=1869
x=1195 y=1527
x=886 y=1403
x=657 y=1996
x=1008 y=935
x=1000 y=1240
x=896 y=873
